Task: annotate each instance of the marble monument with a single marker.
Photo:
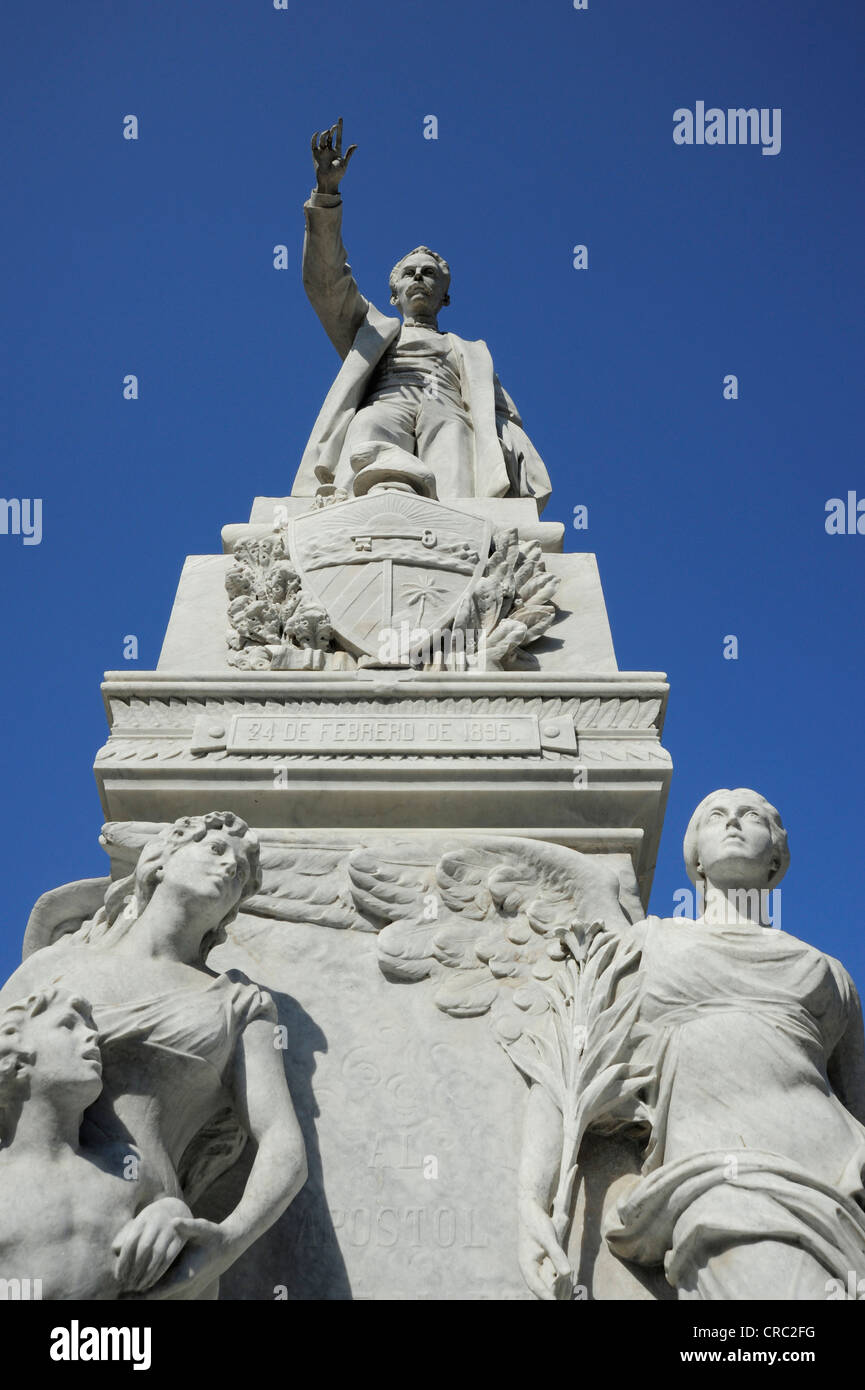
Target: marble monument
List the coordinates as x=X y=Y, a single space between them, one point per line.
x=396 y=1024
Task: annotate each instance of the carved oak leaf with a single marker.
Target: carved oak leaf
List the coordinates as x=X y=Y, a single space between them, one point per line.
x=512 y=604
x=252 y=658
x=506 y=639
x=255 y=619
x=264 y=591
x=534 y=592
x=309 y=626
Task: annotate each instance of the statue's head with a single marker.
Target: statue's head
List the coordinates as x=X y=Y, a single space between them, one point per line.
x=48 y=1046
x=419 y=283
x=736 y=840
x=211 y=861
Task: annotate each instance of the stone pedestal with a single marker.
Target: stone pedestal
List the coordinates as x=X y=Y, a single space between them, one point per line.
x=412 y=1113
x=568 y=751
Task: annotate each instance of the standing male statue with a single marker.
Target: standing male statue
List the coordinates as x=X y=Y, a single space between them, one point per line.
x=404 y=389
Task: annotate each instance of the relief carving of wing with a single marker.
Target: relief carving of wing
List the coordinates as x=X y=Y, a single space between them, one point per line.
x=486 y=921
x=62 y=911
x=306 y=882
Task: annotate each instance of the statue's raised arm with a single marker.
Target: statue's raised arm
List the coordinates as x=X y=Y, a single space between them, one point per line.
x=327 y=276
x=425 y=398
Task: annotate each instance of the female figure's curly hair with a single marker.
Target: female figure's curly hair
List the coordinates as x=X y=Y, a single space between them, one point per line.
x=126 y=899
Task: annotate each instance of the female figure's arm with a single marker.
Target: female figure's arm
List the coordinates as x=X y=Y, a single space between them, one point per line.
x=264 y=1108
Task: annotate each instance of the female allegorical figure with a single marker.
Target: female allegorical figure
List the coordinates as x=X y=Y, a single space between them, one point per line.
x=182 y=1046
x=752 y=1180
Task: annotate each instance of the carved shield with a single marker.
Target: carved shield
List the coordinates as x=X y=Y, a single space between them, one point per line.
x=388 y=562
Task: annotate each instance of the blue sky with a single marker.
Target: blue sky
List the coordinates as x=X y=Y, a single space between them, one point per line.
x=555 y=128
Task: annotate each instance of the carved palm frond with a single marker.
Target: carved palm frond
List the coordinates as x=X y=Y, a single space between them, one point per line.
x=598 y=1016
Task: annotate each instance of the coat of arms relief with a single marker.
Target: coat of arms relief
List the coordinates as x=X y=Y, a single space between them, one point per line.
x=391 y=579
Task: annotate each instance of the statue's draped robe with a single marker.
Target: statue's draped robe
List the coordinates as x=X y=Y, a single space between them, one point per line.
x=166 y=1061
x=506 y=462
x=752 y=1180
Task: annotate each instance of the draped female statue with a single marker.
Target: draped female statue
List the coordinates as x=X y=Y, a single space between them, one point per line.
x=189 y=1066
x=742 y=1048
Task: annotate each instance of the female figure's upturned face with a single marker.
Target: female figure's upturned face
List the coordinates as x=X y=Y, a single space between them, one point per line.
x=214 y=869
x=735 y=844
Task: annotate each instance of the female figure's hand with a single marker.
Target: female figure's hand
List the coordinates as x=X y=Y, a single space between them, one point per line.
x=146 y=1246
x=207 y=1253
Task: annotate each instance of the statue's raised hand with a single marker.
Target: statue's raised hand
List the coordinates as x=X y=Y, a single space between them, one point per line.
x=328 y=158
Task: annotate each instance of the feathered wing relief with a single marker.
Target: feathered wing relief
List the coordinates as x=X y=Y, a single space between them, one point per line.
x=307 y=882
x=507 y=928
x=62 y=911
